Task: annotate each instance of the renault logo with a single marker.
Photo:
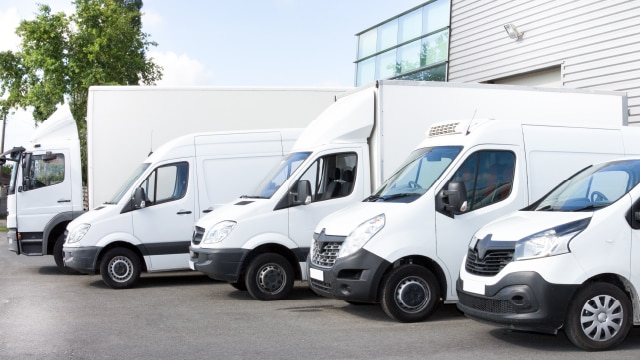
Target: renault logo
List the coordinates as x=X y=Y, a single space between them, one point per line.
x=482 y=246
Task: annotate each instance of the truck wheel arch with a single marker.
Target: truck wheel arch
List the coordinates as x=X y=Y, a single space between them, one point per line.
x=423 y=261
x=276 y=249
x=122 y=244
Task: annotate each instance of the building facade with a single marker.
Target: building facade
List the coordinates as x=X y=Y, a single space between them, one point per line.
x=586 y=44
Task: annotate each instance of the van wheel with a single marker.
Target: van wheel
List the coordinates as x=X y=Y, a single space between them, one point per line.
x=58 y=257
x=269 y=277
x=410 y=293
x=120 y=268
x=599 y=317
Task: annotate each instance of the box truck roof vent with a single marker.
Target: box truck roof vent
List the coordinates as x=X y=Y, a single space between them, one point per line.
x=444 y=129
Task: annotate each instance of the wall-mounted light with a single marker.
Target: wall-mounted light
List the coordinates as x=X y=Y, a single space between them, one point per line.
x=513 y=32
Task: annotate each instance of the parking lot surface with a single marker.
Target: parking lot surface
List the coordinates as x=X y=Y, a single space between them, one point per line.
x=184 y=315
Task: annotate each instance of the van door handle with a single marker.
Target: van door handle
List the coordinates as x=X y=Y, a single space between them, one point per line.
x=183 y=212
x=64 y=201
x=206 y=211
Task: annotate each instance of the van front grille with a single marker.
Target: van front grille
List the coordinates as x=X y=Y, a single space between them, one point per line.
x=324 y=254
x=198 y=233
x=490 y=265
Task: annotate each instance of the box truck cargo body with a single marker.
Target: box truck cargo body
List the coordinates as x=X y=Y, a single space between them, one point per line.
x=147 y=225
x=261 y=243
x=125 y=124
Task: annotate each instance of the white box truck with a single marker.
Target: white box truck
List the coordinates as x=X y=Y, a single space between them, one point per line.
x=147 y=225
x=125 y=123
x=570 y=260
x=402 y=246
x=261 y=243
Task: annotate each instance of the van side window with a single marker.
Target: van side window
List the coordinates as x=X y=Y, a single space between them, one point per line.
x=487 y=176
x=166 y=183
x=47 y=172
x=331 y=176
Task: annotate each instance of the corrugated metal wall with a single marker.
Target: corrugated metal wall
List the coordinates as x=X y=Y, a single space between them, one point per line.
x=595 y=42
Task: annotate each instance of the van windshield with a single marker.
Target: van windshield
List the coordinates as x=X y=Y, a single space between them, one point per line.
x=593 y=188
x=127 y=184
x=272 y=182
x=416 y=176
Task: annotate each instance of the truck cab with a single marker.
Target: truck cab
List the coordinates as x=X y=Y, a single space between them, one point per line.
x=45 y=191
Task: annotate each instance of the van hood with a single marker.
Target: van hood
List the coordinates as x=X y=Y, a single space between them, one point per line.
x=344 y=221
x=521 y=224
x=236 y=210
x=98 y=214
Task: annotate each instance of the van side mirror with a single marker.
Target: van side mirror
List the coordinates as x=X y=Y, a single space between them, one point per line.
x=452 y=199
x=3 y=160
x=138 y=198
x=301 y=195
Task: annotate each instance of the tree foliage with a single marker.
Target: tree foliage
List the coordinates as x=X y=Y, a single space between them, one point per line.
x=61 y=56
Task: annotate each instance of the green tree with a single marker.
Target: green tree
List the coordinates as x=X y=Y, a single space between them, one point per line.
x=61 y=56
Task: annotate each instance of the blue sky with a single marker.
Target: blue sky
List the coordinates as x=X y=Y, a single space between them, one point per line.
x=290 y=43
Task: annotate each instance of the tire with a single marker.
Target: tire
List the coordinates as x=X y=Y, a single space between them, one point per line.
x=240 y=285
x=599 y=317
x=120 y=268
x=269 y=277
x=58 y=257
x=410 y=293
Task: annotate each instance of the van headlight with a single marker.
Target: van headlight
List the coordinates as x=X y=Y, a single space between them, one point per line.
x=550 y=242
x=361 y=235
x=218 y=232
x=77 y=233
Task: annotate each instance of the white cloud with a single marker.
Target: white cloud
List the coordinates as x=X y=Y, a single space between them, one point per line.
x=9 y=21
x=180 y=70
x=151 y=18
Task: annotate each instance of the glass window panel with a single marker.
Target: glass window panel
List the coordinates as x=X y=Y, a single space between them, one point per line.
x=365 y=71
x=435 y=48
x=409 y=56
x=388 y=35
x=410 y=26
x=437 y=73
x=386 y=64
x=367 y=43
x=435 y=16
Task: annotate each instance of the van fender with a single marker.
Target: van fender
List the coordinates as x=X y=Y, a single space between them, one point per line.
x=118 y=237
x=270 y=238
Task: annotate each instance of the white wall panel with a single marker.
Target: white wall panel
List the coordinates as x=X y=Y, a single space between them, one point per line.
x=597 y=43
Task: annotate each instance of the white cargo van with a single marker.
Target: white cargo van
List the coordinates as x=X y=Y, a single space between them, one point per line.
x=147 y=225
x=261 y=243
x=403 y=245
x=570 y=260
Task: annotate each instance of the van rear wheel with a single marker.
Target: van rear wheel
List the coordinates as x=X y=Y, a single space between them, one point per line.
x=599 y=317
x=269 y=277
x=120 y=268
x=410 y=293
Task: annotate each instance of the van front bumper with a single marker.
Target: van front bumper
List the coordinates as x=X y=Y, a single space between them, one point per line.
x=218 y=264
x=353 y=278
x=520 y=301
x=82 y=259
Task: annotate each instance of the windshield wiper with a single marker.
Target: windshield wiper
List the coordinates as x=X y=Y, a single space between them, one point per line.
x=372 y=198
x=398 y=196
x=252 y=197
x=545 y=208
x=590 y=207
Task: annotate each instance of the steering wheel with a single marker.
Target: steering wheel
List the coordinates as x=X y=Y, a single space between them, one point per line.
x=598 y=196
x=414 y=185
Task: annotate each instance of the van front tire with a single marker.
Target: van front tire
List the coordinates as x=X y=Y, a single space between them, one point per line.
x=410 y=293
x=120 y=268
x=269 y=277
x=599 y=317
